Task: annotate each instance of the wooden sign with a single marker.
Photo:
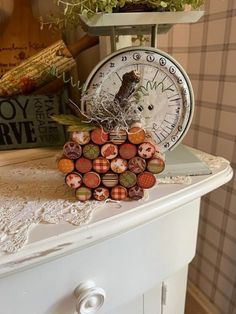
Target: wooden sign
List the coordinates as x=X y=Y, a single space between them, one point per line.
x=25 y=122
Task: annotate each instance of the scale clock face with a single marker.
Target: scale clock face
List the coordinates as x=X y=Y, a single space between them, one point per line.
x=165 y=96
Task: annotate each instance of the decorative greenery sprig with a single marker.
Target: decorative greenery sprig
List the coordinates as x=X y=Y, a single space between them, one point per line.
x=70 y=9
x=74 y=123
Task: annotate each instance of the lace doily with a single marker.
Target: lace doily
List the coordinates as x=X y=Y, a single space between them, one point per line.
x=213 y=162
x=175 y=180
x=35 y=192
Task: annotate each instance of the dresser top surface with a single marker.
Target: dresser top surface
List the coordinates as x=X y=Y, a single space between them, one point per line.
x=48 y=241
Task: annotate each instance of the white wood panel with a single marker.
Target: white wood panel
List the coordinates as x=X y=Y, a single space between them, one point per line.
x=175 y=292
x=152 y=300
x=134 y=307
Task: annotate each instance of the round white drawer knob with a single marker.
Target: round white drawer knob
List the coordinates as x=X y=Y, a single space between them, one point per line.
x=89 y=298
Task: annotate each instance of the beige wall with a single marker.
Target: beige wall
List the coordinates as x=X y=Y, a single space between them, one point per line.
x=207 y=50
x=87 y=60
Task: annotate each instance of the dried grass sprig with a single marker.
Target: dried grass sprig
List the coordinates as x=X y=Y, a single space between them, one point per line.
x=106 y=112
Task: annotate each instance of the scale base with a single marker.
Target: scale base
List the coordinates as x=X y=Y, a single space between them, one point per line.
x=182 y=162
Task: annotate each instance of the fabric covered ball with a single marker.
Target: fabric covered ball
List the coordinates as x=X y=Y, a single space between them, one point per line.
x=101 y=165
x=119 y=165
x=83 y=165
x=91 y=151
x=110 y=179
x=127 y=151
x=136 y=135
x=156 y=165
x=91 y=179
x=72 y=150
x=118 y=137
x=83 y=194
x=99 y=136
x=128 y=179
x=137 y=165
x=136 y=192
x=109 y=151
x=119 y=193
x=73 y=180
x=101 y=194
x=81 y=138
x=146 y=150
x=146 y=180
x=65 y=165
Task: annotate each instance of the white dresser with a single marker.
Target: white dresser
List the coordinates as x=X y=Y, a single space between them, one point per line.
x=131 y=259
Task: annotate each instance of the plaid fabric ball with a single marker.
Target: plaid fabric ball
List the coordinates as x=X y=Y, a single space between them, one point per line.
x=128 y=179
x=146 y=180
x=101 y=165
x=156 y=165
x=119 y=193
x=83 y=194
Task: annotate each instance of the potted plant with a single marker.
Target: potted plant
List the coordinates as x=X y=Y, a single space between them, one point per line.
x=70 y=10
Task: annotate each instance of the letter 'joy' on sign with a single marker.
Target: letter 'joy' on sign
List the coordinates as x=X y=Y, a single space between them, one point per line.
x=25 y=122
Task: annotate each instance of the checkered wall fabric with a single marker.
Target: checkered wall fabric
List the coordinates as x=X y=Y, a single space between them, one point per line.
x=207 y=50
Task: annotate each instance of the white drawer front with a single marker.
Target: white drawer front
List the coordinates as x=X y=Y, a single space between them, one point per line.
x=124 y=266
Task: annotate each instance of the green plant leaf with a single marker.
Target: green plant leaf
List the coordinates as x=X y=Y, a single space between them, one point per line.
x=66 y=119
x=81 y=127
x=74 y=123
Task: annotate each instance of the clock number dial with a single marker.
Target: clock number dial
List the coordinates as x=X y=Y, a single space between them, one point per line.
x=172 y=70
x=165 y=92
x=162 y=61
x=150 y=58
x=136 y=56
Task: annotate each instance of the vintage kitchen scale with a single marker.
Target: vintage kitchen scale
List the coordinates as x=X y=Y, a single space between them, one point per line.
x=166 y=100
x=166 y=94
